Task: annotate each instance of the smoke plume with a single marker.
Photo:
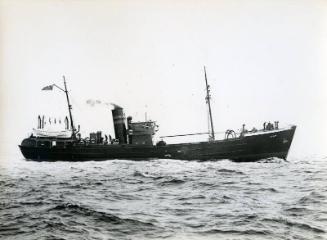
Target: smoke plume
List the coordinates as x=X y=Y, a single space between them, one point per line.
x=93 y=102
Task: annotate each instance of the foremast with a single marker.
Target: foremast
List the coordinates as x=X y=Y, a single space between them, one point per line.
x=69 y=109
x=211 y=128
x=50 y=87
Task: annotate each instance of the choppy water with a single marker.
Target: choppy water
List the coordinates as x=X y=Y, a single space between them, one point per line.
x=164 y=199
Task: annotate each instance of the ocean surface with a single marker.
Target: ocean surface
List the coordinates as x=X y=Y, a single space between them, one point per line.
x=164 y=199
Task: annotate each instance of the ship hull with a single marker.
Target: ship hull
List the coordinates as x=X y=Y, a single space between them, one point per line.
x=252 y=147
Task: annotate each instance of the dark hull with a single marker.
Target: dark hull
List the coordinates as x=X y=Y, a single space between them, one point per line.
x=248 y=148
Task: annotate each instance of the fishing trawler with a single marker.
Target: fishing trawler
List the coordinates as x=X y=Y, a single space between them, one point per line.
x=134 y=140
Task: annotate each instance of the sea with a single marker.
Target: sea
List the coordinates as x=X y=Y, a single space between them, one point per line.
x=164 y=199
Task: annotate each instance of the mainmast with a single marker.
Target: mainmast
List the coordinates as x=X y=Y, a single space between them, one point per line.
x=212 y=134
x=69 y=109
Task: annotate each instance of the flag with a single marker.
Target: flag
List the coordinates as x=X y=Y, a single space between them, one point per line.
x=50 y=87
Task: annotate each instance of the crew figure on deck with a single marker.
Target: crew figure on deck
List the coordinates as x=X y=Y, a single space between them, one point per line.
x=269 y=126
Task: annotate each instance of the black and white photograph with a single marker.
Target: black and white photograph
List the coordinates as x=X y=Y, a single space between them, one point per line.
x=162 y=119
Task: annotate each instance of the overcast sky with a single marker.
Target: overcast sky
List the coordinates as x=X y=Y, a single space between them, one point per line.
x=266 y=61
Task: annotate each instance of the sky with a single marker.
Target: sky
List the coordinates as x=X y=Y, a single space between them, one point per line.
x=266 y=60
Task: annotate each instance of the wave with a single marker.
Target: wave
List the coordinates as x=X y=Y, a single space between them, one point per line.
x=173 y=181
x=221 y=199
x=237 y=232
x=32 y=203
x=146 y=175
x=268 y=189
x=289 y=223
x=9 y=185
x=224 y=170
x=191 y=197
x=169 y=180
x=296 y=209
x=272 y=160
x=313 y=197
x=10 y=231
x=99 y=215
x=206 y=184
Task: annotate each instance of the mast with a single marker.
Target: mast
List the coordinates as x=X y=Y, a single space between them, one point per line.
x=212 y=135
x=69 y=109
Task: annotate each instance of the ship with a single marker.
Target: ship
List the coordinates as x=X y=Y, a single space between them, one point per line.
x=134 y=140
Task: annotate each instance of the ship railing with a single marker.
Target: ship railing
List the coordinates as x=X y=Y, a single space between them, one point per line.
x=260 y=131
x=230 y=134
